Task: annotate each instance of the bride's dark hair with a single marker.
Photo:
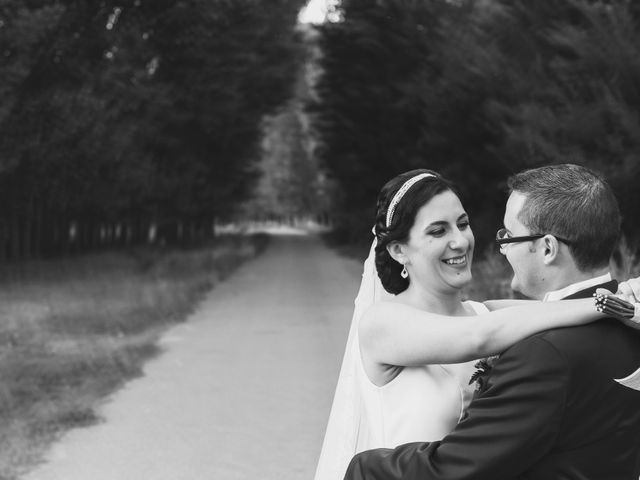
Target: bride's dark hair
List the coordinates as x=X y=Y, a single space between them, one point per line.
x=403 y=218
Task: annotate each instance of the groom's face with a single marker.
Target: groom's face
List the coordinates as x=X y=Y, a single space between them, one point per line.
x=524 y=257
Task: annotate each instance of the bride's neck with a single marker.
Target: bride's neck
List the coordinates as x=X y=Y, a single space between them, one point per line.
x=442 y=303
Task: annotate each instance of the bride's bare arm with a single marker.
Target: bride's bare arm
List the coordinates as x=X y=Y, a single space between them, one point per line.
x=397 y=334
x=493 y=305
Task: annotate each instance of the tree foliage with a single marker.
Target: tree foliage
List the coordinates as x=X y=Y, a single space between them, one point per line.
x=478 y=90
x=121 y=115
x=291 y=184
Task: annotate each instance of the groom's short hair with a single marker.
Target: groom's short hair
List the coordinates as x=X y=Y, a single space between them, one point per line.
x=572 y=202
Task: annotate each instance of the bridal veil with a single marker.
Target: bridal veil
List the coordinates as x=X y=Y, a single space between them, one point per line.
x=345 y=424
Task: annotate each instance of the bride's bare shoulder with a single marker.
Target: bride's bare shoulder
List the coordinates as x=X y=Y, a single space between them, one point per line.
x=378 y=320
x=390 y=304
x=379 y=309
x=388 y=311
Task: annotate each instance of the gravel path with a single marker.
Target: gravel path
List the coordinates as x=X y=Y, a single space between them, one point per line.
x=243 y=388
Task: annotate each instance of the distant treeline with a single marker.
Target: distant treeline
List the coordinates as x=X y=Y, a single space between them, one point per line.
x=126 y=119
x=477 y=90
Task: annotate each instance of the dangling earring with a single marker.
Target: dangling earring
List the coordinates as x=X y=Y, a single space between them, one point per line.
x=404 y=273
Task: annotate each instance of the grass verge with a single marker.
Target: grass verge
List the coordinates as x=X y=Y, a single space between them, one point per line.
x=73 y=331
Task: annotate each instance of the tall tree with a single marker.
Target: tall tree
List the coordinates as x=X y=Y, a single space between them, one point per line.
x=370 y=112
x=478 y=90
x=120 y=114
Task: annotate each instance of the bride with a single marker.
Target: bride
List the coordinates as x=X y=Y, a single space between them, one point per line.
x=413 y=339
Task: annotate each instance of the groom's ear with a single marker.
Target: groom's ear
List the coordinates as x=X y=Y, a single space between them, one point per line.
x=396 y=251
x=551 y=248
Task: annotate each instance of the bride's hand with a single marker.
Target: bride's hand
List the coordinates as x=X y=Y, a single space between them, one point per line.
x=629 y=290
x=622 y=306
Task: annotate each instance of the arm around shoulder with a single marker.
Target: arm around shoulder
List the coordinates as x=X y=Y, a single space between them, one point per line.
x=397 y=334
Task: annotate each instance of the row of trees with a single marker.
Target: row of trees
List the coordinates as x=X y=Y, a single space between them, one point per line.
x=292 y=185
x=479 y=89
x=116 y=116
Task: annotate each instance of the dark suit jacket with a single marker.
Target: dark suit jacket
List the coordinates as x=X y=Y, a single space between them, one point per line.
x=550 y=411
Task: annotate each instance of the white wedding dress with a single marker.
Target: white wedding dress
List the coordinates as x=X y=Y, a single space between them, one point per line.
x=419 y=404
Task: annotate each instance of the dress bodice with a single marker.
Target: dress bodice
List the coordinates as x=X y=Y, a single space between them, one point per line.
x=420 y=404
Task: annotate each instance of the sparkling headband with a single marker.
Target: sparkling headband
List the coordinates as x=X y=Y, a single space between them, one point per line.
x=400 y=193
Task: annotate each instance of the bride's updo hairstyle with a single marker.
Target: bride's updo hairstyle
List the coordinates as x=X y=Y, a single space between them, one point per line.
x=416 y=193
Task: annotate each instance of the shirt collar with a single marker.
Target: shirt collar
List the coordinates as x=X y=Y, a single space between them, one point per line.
x=576 y=287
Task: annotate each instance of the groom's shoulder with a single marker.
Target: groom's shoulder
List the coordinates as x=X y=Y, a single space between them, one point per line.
x=596 y=330
x=581 y=335
x=580 y=342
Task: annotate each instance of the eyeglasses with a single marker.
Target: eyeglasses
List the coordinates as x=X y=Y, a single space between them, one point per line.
x=503 y=237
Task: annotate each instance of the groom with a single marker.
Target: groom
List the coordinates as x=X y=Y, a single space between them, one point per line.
x=549 y=409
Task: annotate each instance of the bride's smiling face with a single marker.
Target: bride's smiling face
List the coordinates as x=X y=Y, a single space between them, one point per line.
x=439 y=251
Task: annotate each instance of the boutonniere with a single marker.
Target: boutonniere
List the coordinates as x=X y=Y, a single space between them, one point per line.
x=483 y=367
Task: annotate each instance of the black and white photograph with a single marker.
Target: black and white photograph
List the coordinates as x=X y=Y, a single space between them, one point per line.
x=319 y=240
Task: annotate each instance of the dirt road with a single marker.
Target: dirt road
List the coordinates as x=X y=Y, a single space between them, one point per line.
x=243 y=388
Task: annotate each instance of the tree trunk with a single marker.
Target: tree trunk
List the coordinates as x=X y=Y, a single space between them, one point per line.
x=14 y=237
